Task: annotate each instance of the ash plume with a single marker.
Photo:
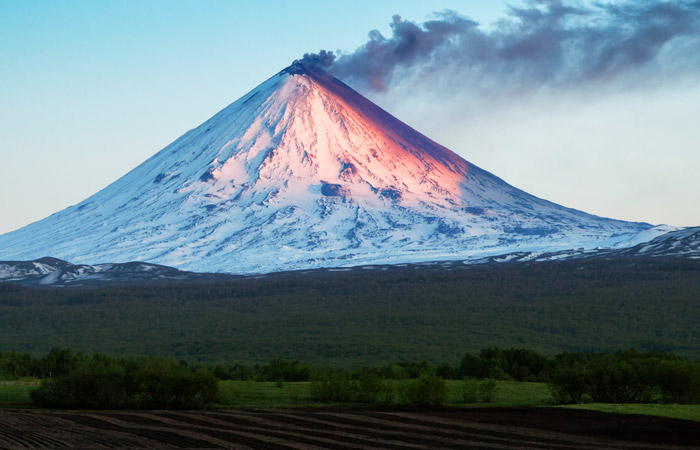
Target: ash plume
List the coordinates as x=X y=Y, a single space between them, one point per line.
x=322 y=59
x=551 y=43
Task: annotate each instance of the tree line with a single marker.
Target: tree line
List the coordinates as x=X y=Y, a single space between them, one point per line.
x=75 y=380
x=624 y=377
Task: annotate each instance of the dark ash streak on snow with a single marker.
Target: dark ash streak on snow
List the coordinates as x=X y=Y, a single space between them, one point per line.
x=544 y=43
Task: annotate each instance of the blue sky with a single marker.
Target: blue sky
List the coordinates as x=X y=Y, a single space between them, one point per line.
x=90 y=89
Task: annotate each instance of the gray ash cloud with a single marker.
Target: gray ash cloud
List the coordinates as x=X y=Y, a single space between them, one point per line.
x=322 y=59
x=541 y=43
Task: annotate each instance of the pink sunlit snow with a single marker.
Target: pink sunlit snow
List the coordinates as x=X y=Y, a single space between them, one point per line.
x=304 y=172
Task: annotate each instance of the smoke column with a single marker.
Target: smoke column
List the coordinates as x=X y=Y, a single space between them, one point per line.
x=544 y=43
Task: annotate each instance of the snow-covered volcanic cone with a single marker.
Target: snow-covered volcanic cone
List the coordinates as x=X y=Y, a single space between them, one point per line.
x=305 y=172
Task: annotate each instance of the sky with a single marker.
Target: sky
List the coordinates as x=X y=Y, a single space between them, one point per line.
x=592 y=107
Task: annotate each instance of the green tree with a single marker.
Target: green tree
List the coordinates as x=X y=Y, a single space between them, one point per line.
x=568 y=382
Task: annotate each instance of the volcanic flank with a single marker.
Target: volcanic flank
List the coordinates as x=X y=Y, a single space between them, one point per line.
x=305 y=172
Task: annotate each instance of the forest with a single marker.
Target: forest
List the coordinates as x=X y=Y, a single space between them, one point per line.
x=371 y=315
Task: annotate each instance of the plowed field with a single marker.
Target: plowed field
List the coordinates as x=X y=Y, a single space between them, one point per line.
x=511 y=428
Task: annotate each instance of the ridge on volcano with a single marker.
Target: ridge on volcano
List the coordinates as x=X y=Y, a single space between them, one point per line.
x=305 y=172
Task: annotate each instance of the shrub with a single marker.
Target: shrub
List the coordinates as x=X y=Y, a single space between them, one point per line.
x=163 y=384
x=568 y=383
x=470 y=390
x=472 y=366
x=396 y=372
x=334 y=387
x=426 y=390
x=446 y=372
x=91 y=385
x=369 y=388
x=515 y=363
x=678 y=381
x=134 y=383
x=280 y=368
x=614 y=380
x=487 y=390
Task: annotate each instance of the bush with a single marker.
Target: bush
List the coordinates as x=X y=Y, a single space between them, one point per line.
x=470 y=390
x=472 y=367
x=334 y=387
x=92 y=385
x=446 y=372
x=426 y=390
x=369 y=388
x=514 y=363
x=568 y=383
x=614 y=380
x=487 y=390
x=396 y=372
x=678 y=381
x=134 y=383
x=280 y=368
x=164 y=384
x=60 y=362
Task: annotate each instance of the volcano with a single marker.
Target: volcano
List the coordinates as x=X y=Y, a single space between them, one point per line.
x=304 y=172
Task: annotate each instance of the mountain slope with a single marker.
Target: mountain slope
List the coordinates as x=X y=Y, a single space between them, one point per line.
x=305 y=172
x=682 y=243
x=52 y=272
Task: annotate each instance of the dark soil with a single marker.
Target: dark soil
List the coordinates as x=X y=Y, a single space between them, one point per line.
x=492 y=428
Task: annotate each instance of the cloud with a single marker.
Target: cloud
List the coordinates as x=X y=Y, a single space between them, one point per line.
x=543 y=43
